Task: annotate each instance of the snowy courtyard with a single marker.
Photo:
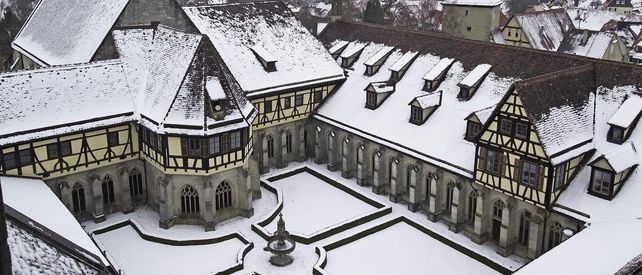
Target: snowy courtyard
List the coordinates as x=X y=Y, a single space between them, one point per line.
x=311 y=204
x=313 y=200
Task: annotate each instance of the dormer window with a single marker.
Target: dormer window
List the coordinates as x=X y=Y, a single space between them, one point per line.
x=216 y=96
x=469 y=85
x=610 y=170
x=422 y=107
x=475 y=121
x=437 y=74
x=351 y=54
x=377 y=93
x=373 y=64
x=624 y=119
x=338 y=48
x=398 y=70
x=265 y=58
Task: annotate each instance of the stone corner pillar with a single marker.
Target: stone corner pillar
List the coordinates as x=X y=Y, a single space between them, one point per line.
x=479 y=235
x=454 y=209
x=125 y=195
x=210 y=211
x=167 y=218
x=99 y=211
x=505 y=246
x=534 y=237
x=414 y=190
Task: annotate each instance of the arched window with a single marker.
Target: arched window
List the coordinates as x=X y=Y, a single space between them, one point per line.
x=108 y=190
x=498 y=207
x=524 y=228
x=135 y=183
x=408 y=178
x=554 y=235
x=270 y=147
x=472 y=207
x=189 y=200
x=78 y=198
x=223 y=196
x=428 y=180
x=288 y=142
x=449 y=198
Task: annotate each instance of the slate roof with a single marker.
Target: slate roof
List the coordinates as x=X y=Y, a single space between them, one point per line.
x=545 y=29
x=233 y=28
x=67 y=31
x=588 y=43
x=560 y=106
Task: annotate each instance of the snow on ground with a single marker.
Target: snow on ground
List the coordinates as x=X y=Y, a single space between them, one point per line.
x=127 y=248
x=307 y=207
x=304 y=255
x=409 y=249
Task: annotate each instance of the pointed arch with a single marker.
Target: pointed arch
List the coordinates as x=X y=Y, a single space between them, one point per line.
x=554 y=235
x=108 y=190
x=270 y=146
x=78 y=198
x=223 y=196
x=189 y=200
x=135 y=183
x=524 y=228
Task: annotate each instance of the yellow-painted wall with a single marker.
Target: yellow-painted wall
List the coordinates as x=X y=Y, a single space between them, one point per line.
x=513 y=34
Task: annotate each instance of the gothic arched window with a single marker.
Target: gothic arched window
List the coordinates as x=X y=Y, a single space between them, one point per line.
x=223 y=196
x=189 y=200
x=78 y=198
x=135 y=183
x=108 y=190
x=524 y=228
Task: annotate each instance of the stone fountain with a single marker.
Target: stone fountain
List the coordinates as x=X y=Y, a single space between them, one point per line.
x=281 y=245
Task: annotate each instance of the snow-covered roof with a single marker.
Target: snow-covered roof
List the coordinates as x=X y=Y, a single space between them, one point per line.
x=429 y=100
x=594 y=20
x=34 y=199
x=388 y=124
x=381 y=87
x=545 y=29
x=482 y=3
x=321 y=27
x=338 y=46
x=214 y=88
x=622 y=157
x=263 y=54
x=379 y=55
x=628 y=112
x=270 y=25
x=587 y=43
x=34 y=101
x=65 y=32
x=562 y=116
x=483 y=114
x=403 y=61
x=601 y=248
x=476 y=75
x=352 y=49
x=439 y=69
x=626 y=205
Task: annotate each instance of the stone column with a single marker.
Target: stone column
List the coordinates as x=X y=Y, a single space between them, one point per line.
x=165 y=203
x=376 y=177
x=432 y=198
x=210 y=210
x=534 y=237
x=332 y=166
x=454 y=213
x=505 y=247
x=264 y=166
x=479 y=235
x=394 y=185
x=414 y=190
x=346 y=169
x=99 y=210
x=245 y=203
x=125 y=195
x=301 y=154
x=318 y=152
x=255 y=184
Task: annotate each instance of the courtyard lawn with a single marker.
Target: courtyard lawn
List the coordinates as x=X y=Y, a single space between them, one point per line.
x=401 y=249
x=135 y=255
x=310 y=204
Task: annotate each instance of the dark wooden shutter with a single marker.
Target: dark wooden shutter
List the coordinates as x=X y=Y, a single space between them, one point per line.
x=517 y=172
x=184 y=147
x=481 y=159
x=540 y=177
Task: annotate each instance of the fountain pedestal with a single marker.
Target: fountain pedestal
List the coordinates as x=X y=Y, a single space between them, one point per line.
x=281 y=245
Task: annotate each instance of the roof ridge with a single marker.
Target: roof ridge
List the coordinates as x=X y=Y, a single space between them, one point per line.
x=63 y=66
x=553 y=75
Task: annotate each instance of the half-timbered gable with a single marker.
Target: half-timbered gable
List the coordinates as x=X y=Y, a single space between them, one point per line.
x=542 y=30
x=52 y=123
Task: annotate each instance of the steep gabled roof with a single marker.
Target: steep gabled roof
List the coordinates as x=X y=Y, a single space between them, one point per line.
x=587 y=43
x=67 y=31
x=545 y=29
x=560 y=106
x=233 y=28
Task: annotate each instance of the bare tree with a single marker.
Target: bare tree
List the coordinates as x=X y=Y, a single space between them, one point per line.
x=428 y=15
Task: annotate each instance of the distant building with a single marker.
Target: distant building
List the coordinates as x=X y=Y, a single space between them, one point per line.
x=471 y=19
x=542 y=30
x=601 y=45
x=619 y=6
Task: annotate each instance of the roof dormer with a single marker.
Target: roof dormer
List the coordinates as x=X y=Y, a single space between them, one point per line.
x=351 y=54
x=377 y=93
x=437 y=74
x=610 y=170
x=267 y=60
x=469 y=85
x=401 y=66
x=216 y=96
x=475 y=121
x=423 y=106
x=338 y=48
x=373 y=64
x=624 y=119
